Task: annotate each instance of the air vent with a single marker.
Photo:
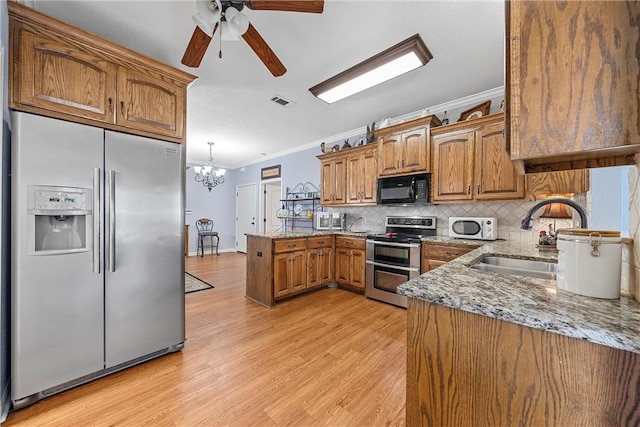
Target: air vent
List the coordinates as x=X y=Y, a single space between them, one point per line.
x=282 y=101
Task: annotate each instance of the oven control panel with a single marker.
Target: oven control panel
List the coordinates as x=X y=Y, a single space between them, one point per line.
x=428 y=222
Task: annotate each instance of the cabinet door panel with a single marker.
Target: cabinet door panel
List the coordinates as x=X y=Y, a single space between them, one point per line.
x=65 y=79
x=495 y=176
x=150 y=103
x=573 y=81
x=327 y=182
x=357 y=268
x=388 y=153
x=342 y=266
x=453 y=163
x=313 y=267
x=340 y=174
x=280 y=275
x=298 y=271
x=325 y=266
x=415 y=154
x=369 y=177
x=354 y=181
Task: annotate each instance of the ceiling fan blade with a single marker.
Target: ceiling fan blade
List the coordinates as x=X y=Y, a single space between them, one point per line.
x=307 y=6
x=197 y=47
x=264 y=52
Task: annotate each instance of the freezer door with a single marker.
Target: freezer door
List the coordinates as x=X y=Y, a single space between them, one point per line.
x=144 y=282
x=57 y=299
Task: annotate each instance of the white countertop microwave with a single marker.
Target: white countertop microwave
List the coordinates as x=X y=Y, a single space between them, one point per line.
x=476 y=228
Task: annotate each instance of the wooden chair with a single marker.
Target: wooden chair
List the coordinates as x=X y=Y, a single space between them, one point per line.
x=205 y=229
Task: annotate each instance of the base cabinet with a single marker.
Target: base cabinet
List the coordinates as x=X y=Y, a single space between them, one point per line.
x=350 y=262
x=466 y=369
x=319 y=261
x=289 y=273
x=435 y=255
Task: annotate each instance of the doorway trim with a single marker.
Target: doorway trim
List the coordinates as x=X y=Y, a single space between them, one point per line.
x=238 y=234
x=262 y=209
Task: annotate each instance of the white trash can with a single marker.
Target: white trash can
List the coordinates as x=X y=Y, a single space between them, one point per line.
x=589 y=262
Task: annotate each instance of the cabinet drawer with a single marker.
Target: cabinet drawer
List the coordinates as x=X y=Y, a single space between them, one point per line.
x=350 y=242
x=289 y=245
x=320 y=242
x=445 y=252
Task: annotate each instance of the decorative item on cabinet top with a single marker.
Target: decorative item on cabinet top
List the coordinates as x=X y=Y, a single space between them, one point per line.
x=476 y=112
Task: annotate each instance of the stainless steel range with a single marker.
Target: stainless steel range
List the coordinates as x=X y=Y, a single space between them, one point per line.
x=394 y=257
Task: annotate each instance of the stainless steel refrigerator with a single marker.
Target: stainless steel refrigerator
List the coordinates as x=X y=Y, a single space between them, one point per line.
x=97 y=253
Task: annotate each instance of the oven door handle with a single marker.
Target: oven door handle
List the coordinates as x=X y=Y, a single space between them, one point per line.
x=397 y=267
x=399 y=245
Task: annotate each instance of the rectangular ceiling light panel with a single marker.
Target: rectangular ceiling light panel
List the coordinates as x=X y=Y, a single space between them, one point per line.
x=393 y=62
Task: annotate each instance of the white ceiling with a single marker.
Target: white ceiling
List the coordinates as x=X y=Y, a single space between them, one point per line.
x=230 y=103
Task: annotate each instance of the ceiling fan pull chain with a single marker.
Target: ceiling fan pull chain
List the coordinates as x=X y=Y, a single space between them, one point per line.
x=220 y=37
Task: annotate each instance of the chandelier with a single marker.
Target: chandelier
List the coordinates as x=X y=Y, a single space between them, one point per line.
x=207 y=175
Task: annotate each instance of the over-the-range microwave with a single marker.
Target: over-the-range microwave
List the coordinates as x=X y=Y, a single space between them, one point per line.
x=404 y=190
x=476 y=228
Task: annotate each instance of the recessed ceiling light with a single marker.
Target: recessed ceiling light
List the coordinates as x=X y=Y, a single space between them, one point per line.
x=407 y=55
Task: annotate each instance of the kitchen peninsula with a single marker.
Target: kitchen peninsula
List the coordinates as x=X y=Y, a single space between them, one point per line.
x=492 y=349
x=283 y=264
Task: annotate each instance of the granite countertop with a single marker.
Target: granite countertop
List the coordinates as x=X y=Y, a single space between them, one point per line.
x=535 y=303
x=309 y=233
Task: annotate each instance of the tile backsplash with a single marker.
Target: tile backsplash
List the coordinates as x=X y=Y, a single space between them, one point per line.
x=509 y=214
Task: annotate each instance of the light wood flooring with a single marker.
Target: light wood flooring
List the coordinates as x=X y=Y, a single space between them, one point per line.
x=328 y=358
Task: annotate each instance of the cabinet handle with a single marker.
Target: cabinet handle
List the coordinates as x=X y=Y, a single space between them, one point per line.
x=397 y=164
x=469 y=189
x=122 y=109
x=478 y=189
x=110 y=106
x=402 y=162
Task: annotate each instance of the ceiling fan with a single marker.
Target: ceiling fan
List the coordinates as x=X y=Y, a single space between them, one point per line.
x=211 y=13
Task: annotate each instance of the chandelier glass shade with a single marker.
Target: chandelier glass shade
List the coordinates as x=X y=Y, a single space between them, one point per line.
x=208 y=175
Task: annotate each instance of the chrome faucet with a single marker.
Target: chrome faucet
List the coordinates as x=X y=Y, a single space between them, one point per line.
x=527 y=222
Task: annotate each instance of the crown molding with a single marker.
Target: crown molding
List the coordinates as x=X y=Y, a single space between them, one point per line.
x=446 y=106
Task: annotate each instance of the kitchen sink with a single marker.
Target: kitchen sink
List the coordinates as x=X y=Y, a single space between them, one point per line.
x=519 y=267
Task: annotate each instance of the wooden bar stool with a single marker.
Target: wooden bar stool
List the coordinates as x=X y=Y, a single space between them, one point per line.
x=205 y=229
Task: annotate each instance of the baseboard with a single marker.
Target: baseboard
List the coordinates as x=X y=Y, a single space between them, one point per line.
x=208 y=251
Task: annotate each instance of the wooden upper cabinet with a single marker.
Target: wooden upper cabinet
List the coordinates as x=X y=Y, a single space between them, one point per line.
x=560 y=182
x=349 y=176
x=404 y=148
x=61 y=77
x=150 y=103
x=572 y=83
x=452 y=177
x=361 y=176
x=61 y=71
x=333 y=180
x=495 y=176
x=471 y=163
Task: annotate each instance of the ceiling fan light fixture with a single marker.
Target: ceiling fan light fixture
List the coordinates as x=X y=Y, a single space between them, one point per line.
x=203 y=24
x=405 y=56
x=208 y=9
x=239 y=24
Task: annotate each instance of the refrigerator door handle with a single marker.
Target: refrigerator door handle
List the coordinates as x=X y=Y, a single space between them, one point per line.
x=97 y=196
x=112 y=220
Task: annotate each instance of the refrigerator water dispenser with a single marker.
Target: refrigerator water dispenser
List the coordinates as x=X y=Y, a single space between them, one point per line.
x=59 y=220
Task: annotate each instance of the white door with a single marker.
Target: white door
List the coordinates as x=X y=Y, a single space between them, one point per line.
x=271 y=203
x=245 y=214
